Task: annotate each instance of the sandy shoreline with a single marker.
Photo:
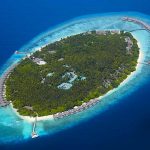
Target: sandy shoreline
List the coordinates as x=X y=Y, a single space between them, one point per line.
x=50 y=117
x=31 y=119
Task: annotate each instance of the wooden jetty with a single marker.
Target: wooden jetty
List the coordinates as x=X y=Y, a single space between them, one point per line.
x=144 y=63
x=34 y=134
x=137 y=21
x=18 y=52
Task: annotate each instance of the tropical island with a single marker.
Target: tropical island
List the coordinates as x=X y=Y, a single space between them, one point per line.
x=70 y=72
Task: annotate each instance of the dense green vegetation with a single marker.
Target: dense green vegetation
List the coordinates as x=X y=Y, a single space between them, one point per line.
x=101 y=59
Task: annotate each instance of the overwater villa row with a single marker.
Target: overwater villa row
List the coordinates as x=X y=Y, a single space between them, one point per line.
x=76 y=109
x=139 y=22
x=3 y=101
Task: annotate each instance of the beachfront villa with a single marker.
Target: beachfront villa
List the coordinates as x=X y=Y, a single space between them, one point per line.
x=64 y=86
x=103 y=32
x=115 y=31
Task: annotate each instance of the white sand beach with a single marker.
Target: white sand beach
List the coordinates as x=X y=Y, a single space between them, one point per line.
x=31 y=119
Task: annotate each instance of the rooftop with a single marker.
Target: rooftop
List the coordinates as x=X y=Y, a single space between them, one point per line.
x=65 y=86
x=39 y=61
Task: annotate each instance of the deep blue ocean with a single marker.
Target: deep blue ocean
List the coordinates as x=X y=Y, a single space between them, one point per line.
x=126 y=124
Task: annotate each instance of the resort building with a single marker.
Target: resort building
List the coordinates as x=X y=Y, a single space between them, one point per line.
x=106 y=83
x=65 y=86
x=129 y=44
x=61 y=59
x=100 y=32
x=103 y=32
x=39 y=61
x=115 y=31
x=83 y=78
x=67 y=66
x=50 y=74
x=52 y=52
x=72 y=77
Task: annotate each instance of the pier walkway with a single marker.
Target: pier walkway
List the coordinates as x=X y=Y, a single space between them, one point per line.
x=34 y=134
x=144 y=63
x=138 y=30
x=144 y=25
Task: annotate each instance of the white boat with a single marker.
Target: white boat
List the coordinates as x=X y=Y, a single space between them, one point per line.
x=34 y=135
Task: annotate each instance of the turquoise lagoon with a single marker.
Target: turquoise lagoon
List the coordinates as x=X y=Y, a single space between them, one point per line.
x=15 y=129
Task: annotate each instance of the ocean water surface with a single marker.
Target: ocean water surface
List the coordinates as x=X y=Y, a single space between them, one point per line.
x=121 y=119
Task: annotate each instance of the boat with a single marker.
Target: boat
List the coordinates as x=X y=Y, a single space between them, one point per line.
x=34 y=135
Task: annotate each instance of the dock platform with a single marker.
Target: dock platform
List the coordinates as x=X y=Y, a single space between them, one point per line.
x=34 y=134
